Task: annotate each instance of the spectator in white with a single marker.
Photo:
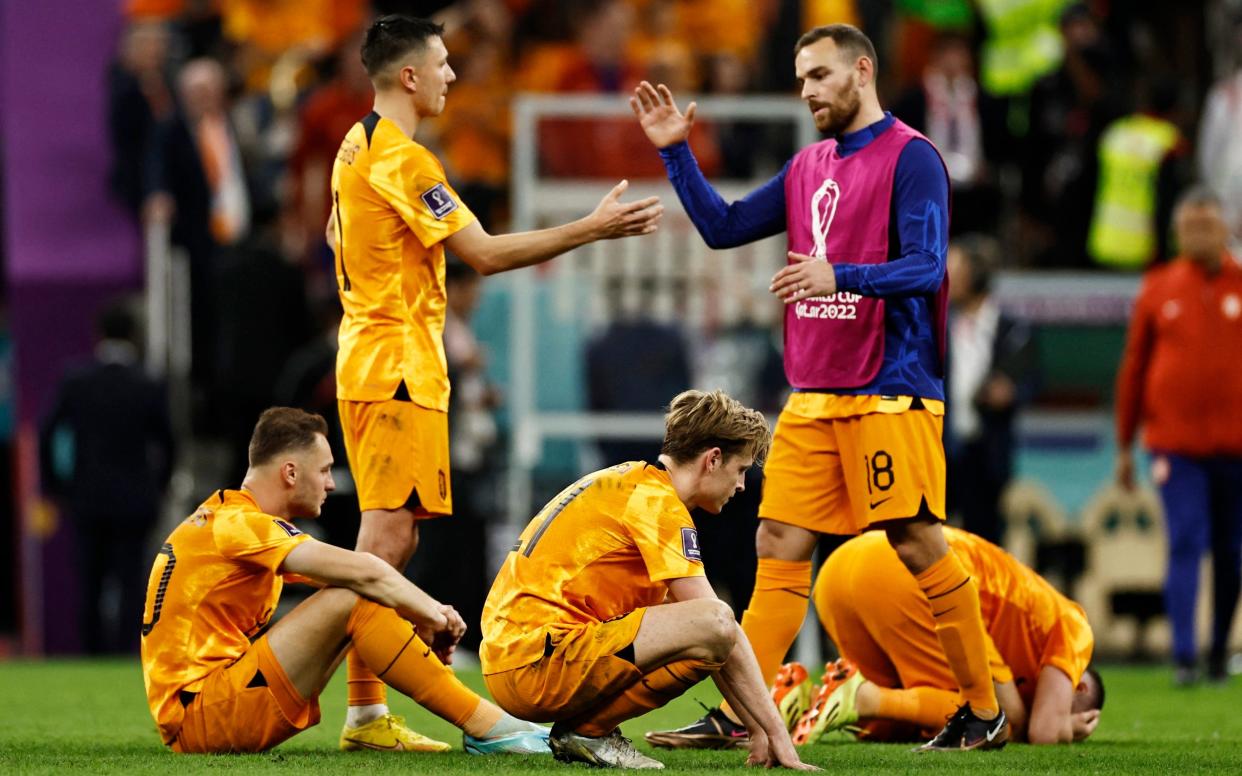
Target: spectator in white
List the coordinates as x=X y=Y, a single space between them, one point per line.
x=992 y=368
x=1220 y=144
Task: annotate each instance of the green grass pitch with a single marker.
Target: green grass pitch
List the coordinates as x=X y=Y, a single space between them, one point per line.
x=91 y=717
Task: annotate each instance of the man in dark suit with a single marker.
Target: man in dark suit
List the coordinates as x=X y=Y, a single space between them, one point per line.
x=106 y=452
x=992 y=370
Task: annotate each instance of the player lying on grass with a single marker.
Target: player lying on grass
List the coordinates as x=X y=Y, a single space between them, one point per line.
x=217 y=581
x=602 y=612
x=893 y=677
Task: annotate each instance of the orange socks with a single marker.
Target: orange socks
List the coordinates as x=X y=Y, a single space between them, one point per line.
x=364 y=687
x=652 y=691
x=777 y=609
x=389 y=647
x=927 y=707
x=954 y=598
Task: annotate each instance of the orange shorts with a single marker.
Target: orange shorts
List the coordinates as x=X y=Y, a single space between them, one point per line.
x=875 y=613
x=840 y=475
x=246 y=706
x=398 y=450
x=579 y=671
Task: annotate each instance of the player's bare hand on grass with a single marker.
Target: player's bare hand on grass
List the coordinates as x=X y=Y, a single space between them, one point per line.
x=807 y=277
x=763 y=755
x=615 y=218
x=1084 y=723
x=442 y=637
x=664 y=124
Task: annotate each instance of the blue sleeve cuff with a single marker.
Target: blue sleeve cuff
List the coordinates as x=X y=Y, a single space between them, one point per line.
x=846 y=276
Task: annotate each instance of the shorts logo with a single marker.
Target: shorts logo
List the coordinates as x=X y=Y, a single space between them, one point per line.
x=690 y=544
x=287 y=528
x=443 y=486
x=437 y=200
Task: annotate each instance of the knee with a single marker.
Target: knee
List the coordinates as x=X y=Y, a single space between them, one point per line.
x=783 y=542
x=341 y=601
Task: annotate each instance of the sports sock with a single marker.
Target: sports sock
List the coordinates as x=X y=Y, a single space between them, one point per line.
x=363 y=686
x=927 y=707
x=389 y=646
x=774 y=617
x=508 y=725
x=954 y=598
x=652 y=691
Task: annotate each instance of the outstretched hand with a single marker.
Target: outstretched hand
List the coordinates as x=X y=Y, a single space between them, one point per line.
x=659 y=116
x=615 y=218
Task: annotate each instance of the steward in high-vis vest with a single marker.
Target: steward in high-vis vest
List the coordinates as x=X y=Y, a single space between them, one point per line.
x=1131 y=211
x=1022 y=46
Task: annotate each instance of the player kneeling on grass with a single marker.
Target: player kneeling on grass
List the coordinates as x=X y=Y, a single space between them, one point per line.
x=893 y=681
x=576 y=630
x=218 y=578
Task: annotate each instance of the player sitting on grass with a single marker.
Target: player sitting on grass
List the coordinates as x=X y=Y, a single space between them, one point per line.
x=893 y=677
x=217 y=581
x=576 y=629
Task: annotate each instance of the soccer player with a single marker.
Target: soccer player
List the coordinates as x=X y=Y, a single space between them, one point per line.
x=218 y=680
x=858 y=445
x=1039 y=647
x=576 y=629
x=393 y=215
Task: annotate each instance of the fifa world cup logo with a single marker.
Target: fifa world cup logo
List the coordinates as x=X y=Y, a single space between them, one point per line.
x=823 y=210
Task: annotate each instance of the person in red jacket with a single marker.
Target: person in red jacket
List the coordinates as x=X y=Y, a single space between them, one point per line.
x=1181 y=378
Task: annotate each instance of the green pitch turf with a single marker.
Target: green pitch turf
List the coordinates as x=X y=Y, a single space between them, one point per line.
x=91 y=717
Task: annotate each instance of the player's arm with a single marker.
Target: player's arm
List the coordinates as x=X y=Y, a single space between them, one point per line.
x=921 y=210
x=741 y=684
x=1053 y=719
x=722 y=225
x=372 y=578
x=1131 y=378
x=1015 y=709
x=611 y=219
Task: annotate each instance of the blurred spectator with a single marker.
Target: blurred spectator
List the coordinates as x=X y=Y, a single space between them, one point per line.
x=1022 y=44
x=1068 y=112
x=263 y=318
x=441 y=567
x=1140 y=162
x=616 y=382
x=1181 y=379
x=139 y=98
x=1220 y=143
x=196 y=180
x=992 y=371
x=966 y=126
x=106 y=454
x=327 y=115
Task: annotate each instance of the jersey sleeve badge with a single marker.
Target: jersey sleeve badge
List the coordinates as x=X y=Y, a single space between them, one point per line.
x=439 y=201
x=690 y=544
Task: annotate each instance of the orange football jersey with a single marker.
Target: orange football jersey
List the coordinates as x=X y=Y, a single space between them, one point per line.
x=214 y=586
x=394 y=208
x=603 y=547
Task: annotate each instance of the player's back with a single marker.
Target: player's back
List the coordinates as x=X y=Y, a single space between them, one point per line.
x=213 y=587
x=1031 y=622
x=603 y=547
x=393 y=208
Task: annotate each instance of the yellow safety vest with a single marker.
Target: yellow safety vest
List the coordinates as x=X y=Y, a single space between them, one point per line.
x=1123 y=225
x=1023 y=44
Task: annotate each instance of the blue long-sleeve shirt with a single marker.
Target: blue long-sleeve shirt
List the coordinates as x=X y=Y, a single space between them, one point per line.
x=908 y=281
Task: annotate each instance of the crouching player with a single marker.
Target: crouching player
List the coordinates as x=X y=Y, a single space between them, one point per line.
x=577 y=630
x=893 y=676
x=218 y=578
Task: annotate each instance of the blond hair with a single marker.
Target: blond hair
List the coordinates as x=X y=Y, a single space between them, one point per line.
x=699 y=420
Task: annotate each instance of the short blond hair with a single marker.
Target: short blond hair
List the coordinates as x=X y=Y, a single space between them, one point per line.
x=700 y=420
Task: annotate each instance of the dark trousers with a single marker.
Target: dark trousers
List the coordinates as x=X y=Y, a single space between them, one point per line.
x=111 y=553
x=974 y=490
x=1203 y=511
